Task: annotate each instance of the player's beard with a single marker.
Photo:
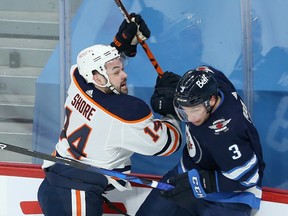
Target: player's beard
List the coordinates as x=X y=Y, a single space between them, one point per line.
x=122 y=88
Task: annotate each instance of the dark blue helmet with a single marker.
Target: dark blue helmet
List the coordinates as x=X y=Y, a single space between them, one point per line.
x=195 y=87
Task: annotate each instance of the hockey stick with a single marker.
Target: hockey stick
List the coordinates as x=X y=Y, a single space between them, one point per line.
x=142 y=42
x=79 y=165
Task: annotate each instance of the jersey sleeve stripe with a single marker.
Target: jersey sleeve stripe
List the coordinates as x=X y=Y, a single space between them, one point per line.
x=169 y=148
x=256 y=191
x=177 y=141
x=165 y=148
x=238 y=172
x=252 y=180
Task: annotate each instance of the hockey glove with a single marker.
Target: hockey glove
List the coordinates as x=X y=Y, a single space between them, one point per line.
x=164 y=90
x=126 y=40
x=190 y=186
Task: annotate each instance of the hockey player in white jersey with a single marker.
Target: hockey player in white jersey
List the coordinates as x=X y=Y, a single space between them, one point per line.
x=103 y=127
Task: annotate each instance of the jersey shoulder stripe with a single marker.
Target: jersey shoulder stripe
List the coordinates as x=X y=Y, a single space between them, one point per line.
x=125 y=108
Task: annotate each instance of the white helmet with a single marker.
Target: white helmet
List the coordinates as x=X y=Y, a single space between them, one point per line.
x=94 y=58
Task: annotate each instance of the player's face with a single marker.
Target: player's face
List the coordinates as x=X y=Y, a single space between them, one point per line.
x=197 y=115
x=117 y=75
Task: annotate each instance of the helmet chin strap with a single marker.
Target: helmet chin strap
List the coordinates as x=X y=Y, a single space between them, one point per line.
x=112 y=88
x=108 y=85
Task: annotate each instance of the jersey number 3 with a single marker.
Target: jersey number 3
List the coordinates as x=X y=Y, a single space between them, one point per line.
x=236 y=152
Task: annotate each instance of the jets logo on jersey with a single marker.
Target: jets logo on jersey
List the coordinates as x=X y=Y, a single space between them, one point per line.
x=193 y=147
x=220 y=125
x=190 y=145
x=89 y=93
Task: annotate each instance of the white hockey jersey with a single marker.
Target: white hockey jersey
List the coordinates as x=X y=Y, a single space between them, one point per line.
x=104 y=130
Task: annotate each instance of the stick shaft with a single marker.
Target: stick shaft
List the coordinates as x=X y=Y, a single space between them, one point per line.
x=143 y=43
x=79 y=165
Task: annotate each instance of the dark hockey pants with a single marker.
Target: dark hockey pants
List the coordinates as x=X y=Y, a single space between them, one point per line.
x=66 y=191
x=156 y=205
